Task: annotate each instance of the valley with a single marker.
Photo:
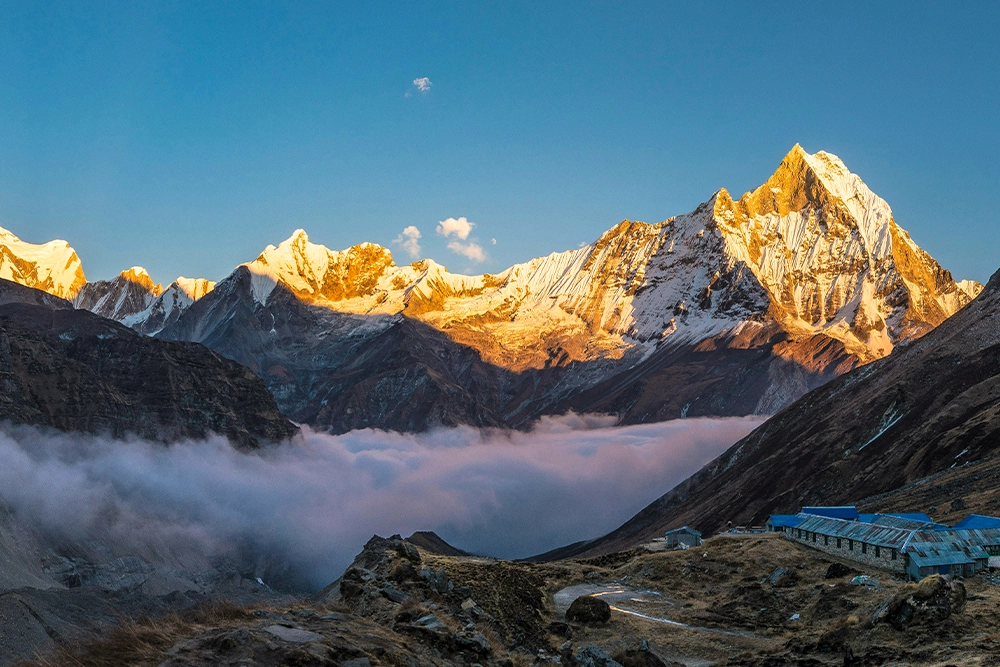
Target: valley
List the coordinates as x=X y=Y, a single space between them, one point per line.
x=736 y=600
x=545 y=385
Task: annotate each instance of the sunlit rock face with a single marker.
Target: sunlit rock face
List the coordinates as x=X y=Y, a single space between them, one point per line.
x=832 y=259
x=52 y=267
x=813 y=251
x=738 y=307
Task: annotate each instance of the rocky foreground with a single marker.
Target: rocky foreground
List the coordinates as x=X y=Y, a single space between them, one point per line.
x=745 y=600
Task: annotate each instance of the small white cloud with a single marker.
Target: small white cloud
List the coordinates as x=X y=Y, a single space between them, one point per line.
x=472 y=251
x=458 y=227
x=409 y=240
x=423 y=84
x=493 y=241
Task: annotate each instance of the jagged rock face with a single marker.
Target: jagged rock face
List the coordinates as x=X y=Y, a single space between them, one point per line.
x=134 y=300
x=832 y=259
x=344 y=371
x=131 y=292
x=75 y=371
x=52 y=267
x=813 y=250
x=168 y=306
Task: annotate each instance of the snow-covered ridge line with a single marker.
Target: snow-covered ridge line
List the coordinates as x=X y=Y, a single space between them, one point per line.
x=812 y=251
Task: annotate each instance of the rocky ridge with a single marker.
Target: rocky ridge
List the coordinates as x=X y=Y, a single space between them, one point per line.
x=134 y=300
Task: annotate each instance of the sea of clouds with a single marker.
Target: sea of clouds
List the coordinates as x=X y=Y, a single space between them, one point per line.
x=314 y=502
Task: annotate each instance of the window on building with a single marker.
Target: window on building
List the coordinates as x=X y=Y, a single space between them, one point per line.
x=894 y=554
x=838 y=542
x=826 y=540
x=878 y=552
x=850 y=545
x=814 y=537
x=864 y=547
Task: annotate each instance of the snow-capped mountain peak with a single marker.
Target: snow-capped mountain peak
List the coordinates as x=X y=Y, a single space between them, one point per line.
x=53 y=267
x=169 y=304
x=193 y=288
x=315 y=272
x=813 y=250
x=140 y=276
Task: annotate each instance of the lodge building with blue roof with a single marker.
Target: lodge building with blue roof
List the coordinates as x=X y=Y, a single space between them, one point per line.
x=911 y=544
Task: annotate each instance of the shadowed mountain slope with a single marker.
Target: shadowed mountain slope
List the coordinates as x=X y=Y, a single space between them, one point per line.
x=76 y=371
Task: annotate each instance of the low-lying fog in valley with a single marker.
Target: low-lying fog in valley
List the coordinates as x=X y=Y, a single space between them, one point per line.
x=314 y=502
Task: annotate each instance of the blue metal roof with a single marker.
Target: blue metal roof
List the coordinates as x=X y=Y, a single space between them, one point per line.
x=849 y=512
x=974 y=521
x=897 y=521
x=684 y=529
x=785 y=520
x=914 y=516
x=937 y=557
x=883 y=536
x=867 y=518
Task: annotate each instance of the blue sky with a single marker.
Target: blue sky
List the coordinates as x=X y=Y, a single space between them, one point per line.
x=187 y=136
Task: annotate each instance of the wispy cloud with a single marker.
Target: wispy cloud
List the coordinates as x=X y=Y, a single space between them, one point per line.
x=409 y=240
x=421 y=85
x=457 y=227
x=472 y=251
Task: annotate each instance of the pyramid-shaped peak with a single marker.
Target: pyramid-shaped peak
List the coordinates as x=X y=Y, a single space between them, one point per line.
x=797 y=150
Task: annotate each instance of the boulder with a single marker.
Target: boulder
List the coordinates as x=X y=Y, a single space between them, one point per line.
x=639 y=658
x=430 y=625
x=933 y=599
x=438 y=580
x=293 y=635
x=473 y=641
x=350 y=589
x=591 y=656
x=838 y=570
x=588 y=609
x=408 y=551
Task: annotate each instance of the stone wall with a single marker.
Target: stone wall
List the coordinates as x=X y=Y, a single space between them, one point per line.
x=864 y=554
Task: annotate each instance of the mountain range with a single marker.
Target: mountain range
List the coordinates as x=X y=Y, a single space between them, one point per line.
x=739 y=307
